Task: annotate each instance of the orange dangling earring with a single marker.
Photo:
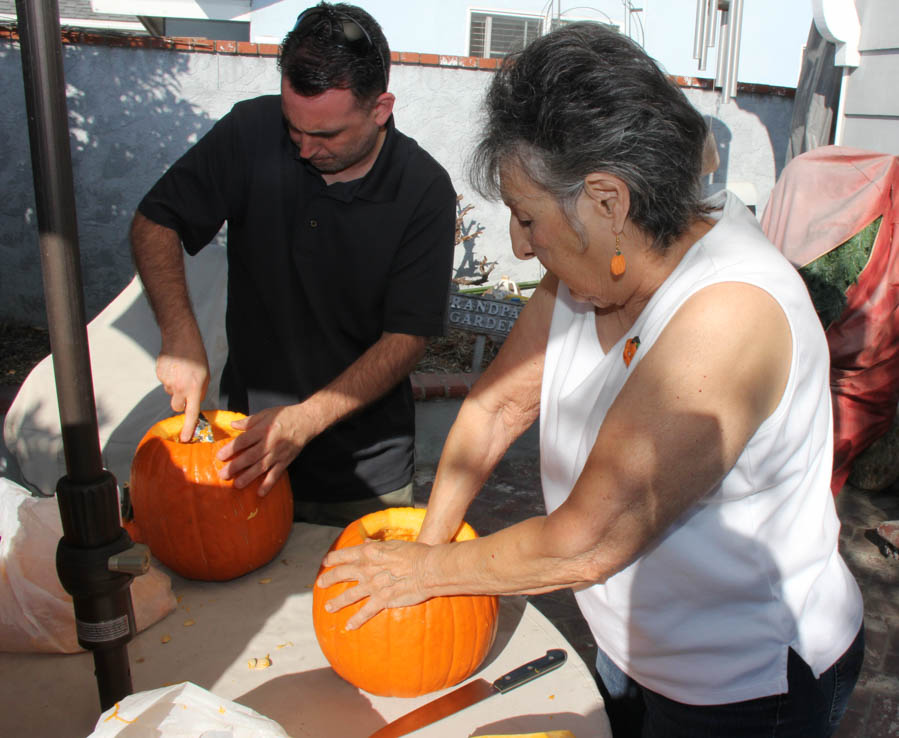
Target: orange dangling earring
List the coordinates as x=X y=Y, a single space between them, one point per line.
x=619 y=265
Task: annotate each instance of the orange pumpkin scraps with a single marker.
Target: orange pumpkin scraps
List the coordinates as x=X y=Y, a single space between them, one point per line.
x=262 y=663
x=115 y=716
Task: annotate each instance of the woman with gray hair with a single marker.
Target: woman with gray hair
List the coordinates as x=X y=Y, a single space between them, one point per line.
x=680 y=375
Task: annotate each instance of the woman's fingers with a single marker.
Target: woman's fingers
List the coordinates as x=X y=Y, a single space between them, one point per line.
x=381 y=576
x=366 y=613
x=347 y=597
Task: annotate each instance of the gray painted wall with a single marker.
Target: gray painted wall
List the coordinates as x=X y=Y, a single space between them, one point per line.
x=132 y=112
x=872 y=105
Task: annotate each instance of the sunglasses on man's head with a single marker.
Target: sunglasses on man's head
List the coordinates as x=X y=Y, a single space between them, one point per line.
x=343 y=29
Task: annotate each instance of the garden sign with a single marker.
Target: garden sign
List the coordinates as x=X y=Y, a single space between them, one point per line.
x=484 y=315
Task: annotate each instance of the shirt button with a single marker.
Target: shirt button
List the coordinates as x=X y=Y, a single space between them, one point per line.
x=313 y=223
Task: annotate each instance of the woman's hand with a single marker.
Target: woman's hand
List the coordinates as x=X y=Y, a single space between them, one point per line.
x=388 y=573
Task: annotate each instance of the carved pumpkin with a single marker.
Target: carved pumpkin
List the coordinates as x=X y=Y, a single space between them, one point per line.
x=404 y=651
x=195 y=523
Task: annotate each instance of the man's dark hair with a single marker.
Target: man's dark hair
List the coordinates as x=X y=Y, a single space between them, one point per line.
x=314 y=60
x=584 y=99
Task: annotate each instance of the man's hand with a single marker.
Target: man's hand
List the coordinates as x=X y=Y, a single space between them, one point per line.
x=183 y=370
x=388 y=573
x=272 y=438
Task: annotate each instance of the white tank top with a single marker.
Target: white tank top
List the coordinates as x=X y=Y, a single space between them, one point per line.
x=706 y=616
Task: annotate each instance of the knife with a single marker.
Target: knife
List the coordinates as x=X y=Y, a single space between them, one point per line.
x=479 y=689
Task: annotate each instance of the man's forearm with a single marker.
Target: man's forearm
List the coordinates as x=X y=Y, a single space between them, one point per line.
x=159 y=260
x=386 y=363
x=182 y=366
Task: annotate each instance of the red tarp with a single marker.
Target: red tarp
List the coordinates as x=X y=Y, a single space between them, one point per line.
x=822 y=199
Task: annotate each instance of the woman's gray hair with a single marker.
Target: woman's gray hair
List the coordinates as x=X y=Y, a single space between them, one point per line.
x=586 y=99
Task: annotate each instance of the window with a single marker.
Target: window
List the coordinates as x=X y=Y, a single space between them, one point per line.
x=493 y=35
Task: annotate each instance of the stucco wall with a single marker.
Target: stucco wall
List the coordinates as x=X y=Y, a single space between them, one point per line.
x=134 y=111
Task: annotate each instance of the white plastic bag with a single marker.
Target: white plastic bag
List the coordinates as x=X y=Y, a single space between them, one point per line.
x=183 y=710
x=35 y=611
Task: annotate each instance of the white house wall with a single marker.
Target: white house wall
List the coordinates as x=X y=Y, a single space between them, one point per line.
x=871 y=112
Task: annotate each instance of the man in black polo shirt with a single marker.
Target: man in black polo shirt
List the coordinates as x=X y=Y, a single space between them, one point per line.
x=340 y=243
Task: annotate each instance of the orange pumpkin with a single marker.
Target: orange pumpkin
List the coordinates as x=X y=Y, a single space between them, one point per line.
x=195 y=523
x=404 y=651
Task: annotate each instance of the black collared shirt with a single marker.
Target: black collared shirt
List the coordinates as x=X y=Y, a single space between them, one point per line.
x=316 y=273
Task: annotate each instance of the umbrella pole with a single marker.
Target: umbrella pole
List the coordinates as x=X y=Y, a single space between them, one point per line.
x=90 y=555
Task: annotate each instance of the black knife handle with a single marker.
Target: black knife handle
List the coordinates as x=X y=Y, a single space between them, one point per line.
x=554 y=658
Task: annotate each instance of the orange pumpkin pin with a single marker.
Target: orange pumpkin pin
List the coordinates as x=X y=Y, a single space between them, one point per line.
x=630 y=348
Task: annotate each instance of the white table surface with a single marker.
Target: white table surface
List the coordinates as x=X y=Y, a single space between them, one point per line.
x=269 y=613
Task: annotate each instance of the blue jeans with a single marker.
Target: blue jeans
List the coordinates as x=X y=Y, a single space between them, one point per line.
x=811 y=708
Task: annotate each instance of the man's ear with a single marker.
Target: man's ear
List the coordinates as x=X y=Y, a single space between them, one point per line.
x=383 y=108
x=610 y=196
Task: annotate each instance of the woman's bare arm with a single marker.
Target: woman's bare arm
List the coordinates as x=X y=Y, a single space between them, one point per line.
x=679 y=424
x=502 y=404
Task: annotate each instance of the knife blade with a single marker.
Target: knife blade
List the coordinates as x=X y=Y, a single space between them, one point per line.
x=471 y=693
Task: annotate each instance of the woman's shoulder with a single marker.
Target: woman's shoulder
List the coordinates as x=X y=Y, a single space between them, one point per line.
x=737 y=250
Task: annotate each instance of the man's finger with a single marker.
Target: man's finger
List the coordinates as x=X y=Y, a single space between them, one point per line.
x=191 y=416
x=249 y=474
x=270 y=479
x=241 y=423
x=234 y=447
x=238 y=464
x=243 y=469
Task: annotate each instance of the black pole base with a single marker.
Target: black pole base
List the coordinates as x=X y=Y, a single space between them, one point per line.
x=104 y=614
x=113 y=672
